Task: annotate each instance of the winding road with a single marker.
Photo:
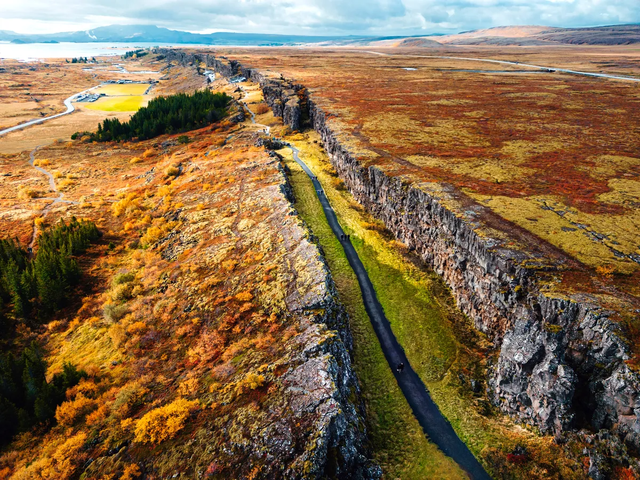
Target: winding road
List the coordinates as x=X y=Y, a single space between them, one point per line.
x=507 y=62
x=437 y=428
x=68 y=104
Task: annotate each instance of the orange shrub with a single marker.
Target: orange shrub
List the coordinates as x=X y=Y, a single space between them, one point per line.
x=73 y=411
x=605 y=270
x=131 y=472
x=26 y=193
x=60 y=466
x=261 y=108
x=136 y=328
x=250 y=382
x=165 y=422
x=127 y=205
x=244 y=296
x=97 y=415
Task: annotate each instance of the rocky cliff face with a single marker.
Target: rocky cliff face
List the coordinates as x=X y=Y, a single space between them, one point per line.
x=316 y=427
x=282 y=96
x=559 y=358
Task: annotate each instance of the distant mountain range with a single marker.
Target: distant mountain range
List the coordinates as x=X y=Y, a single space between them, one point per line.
x=512 y=35
x=539 y=35
x=153 y=34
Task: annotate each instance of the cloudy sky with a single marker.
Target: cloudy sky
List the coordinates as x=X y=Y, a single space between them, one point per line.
x=321 y=17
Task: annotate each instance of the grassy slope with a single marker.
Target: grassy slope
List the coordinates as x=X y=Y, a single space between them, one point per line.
x=441 y=344
x=397 y=439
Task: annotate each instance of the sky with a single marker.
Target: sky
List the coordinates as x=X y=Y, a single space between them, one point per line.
x=313 y=17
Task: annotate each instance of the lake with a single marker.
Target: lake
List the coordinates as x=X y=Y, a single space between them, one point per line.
x=36 y=51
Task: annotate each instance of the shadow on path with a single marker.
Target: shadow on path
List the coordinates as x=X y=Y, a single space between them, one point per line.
x=437 y=428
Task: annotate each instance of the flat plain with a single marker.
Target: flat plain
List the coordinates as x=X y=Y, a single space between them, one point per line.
x=38 y=89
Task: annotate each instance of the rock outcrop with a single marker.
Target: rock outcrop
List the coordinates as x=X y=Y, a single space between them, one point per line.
x=551 y=349
x=559 y=358
x=315 y=428
x=283 y=96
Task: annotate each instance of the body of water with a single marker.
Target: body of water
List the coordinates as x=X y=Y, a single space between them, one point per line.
x=39 y=51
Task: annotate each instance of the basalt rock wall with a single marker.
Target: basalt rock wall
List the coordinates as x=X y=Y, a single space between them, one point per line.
x=281 y=95
x=322 y=390
x=559 y=358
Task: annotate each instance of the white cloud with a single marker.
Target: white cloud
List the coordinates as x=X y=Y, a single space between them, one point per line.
x=374 y=17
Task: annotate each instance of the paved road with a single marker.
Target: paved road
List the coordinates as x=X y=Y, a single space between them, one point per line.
x=68 y=104
x=506 y=62
x=437 y=428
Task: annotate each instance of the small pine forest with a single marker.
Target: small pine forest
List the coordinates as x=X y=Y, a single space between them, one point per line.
x=34 y=287
x=26 y=397
x=173 y=114
x=135 y=54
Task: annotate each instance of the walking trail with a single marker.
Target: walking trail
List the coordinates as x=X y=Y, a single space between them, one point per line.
x=54 y=200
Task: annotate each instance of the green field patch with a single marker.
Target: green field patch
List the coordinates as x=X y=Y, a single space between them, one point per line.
x=399 y=444
x=126 y=89
x=117 y=104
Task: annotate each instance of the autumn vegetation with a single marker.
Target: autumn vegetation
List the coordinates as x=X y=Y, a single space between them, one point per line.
x=552 y=154
x=165 y=336
x=36 y=287
x=176 y=319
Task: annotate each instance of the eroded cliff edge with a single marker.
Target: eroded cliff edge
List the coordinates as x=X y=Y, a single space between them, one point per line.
x=562 y=357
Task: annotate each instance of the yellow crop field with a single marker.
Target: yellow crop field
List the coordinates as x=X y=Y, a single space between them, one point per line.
x=127 y=89
x=118 y=104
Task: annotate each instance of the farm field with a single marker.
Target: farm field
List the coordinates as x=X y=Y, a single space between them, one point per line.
x=125 y=89
x=130 y=103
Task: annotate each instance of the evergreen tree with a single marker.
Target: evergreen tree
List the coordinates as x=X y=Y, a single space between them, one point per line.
x=43 y=282
x=176 y=113
x=26 y=398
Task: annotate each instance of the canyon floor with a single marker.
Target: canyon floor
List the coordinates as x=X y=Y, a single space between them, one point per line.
x=218 y=295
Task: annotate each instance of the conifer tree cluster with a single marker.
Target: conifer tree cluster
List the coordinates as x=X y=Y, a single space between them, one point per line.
x=36 y=287
x=172 y=114
x=82 y=60
x=135 y=53
x=26 y=398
